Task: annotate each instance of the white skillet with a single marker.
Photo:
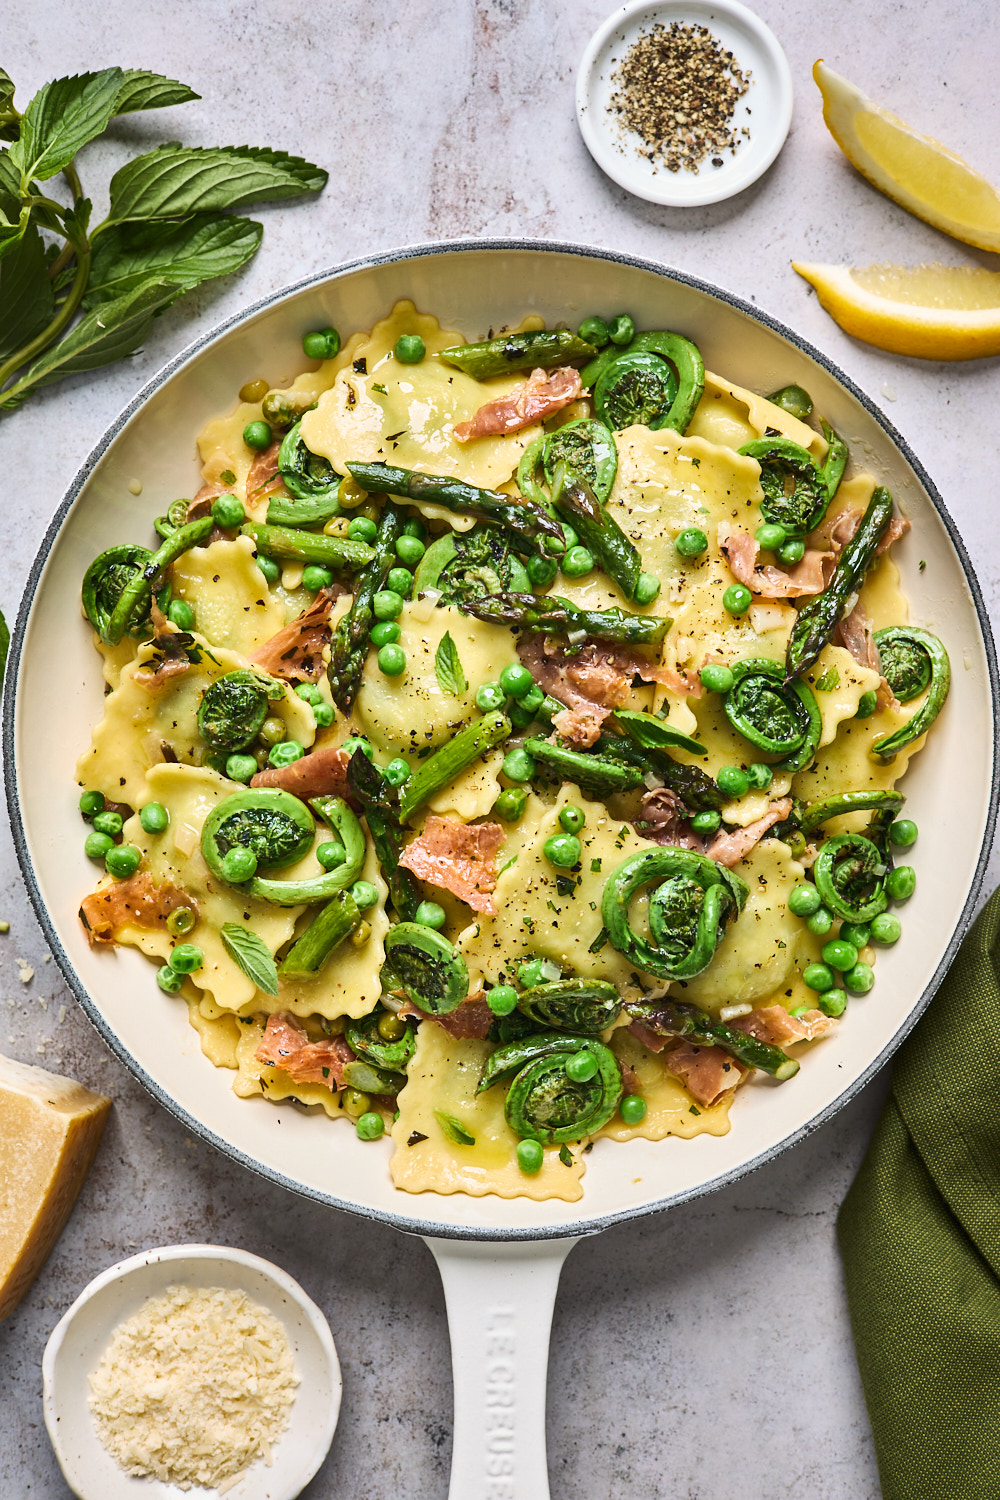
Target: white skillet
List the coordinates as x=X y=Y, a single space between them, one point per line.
x=499 y=1259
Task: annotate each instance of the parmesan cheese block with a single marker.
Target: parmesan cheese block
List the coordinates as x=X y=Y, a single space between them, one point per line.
x=49 y=1131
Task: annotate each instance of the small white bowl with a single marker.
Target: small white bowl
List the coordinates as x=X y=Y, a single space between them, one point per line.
x=83 y=1333
x=766 y=107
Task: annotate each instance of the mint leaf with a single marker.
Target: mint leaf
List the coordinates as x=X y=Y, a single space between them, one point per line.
x=448 y=667
x=9 y=123
x=63 y=116
x=189 y=253
x=176 y=180
x=253 y=956
x=13 y=216
x=27 y=304
x=454 y=1129
x=143 y=90
x=108 y=332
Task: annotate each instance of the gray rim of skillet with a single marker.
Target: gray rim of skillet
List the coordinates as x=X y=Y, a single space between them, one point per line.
x=410 y=1225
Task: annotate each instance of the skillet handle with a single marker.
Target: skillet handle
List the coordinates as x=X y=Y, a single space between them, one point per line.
x=500 y=1298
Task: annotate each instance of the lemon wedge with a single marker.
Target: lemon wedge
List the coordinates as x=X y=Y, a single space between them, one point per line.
x=914 y=170
x=931 y=312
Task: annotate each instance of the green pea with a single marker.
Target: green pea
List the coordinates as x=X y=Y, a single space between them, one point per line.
x=180 y=921
x=323 y=714
x=241 y=768
x=257 y=435
x=840 y=955
x=516 y=681
x=356 y=1103
x=716 y=679
x=621 y=330
x=520 y=716
x=410 y=349
x=594 y=331
x=578 y=562
x=581 y=1066
x=96 y=845
x=733 y=782
x=705 y=822
x=400 y=581
x=364 y=894
x=415 y=527
x=796 y=842
x=322 y=343
x=181 y=614
x=91 y=803
x=571 y=818
x=362 y=529
x=355 y=742
x=759 y=776
x=646 y=589
x=370 y=1126
x=502 y=999
x=737 y=599
x=154 y=818
x=691 y=542
x=818 y=977
x=309 y=692
x=285 y=753
x=385 y=633
x=820 y=922
x=860 y=979
x=832 y=1003
x=409 y=550
x=123 y=861
x=541 y=570
x=518 y=765
x=272 y=731
x=270 y=569
x=886 y=929
x=633 y=1109
x=903 y=833
x=533 y=699
x=792 y=551
x=169 y=980
x=315 y=578
x=900 y=882
x=397 y=771
x=331 y=854
x=770 y=536
x=510 y=804
x=254 y=390
x=392 y=661
x=108 y=822
x=228 y=512
x=387 y=604
x=531 y=973
x=186 y=958
x=430 y=914
x=562 y=850
x=530 y=1156
x=391 y=1028
x=867 y=704
x=804 y=900
x=239 y=864
x=856 y=933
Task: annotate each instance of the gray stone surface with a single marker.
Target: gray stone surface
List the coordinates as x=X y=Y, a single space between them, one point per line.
x=694 y=1354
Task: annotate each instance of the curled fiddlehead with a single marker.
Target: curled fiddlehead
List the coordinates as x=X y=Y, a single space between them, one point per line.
x=913 y=661
x=232 y=710
x=544 y=1103
x=588 y=448
x=104 y=583
x=424 y=966
x=368 y=1042
x=307 y=475
x=343 y=821
x=693 y=902
x=465 y=565
x=795 y=494
x=850 y=873
x=777 y=719
x=657 y=380
x=274 y=826
x=585 y=1006
x=175 y=517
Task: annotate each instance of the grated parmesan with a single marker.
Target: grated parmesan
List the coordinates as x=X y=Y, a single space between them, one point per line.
x=194 y=1387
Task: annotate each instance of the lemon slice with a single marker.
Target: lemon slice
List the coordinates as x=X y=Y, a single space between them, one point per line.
x=916 y=171
x=932 y=312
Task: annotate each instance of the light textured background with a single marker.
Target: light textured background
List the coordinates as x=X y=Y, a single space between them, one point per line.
x=695 y=1354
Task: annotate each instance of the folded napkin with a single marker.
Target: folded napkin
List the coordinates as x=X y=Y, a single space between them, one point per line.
x=920 y=1237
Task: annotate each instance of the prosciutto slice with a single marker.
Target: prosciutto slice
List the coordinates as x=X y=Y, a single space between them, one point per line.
x=538 y=397
x=321 y=773
x=264 y=477
x=296 y=652
x=774 y=1025
x=665 y=820
x=473 y=1018
x=706 y=1072
x=135 y=902
x=730 y=847
x=286 y=1046
x=806 y=577
x=458 y=857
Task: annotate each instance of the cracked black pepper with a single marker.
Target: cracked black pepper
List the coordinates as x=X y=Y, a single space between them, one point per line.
x=677 y=88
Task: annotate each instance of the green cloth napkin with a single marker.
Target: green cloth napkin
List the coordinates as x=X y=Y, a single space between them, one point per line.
x=920 y=1236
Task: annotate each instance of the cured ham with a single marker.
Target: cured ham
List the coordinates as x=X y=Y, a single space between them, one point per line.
x=730 y=847
x=296 y=652
x=593 y=681
x=321 y=773
x=706 y=1072
x=286 y=1046
x=264 y=477
x=664 y=820
x=774 y=1025
x=805 y=578
x=135 y=902
x=472 y=1019
x=540 y=396
x=458 y=857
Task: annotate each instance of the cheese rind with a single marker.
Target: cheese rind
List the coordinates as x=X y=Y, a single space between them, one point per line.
x=50 y=1128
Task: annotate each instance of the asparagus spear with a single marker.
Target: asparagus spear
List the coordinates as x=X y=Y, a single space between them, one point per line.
x=134 y=600
x=349 y=646
x=553 y=614
x=327 y=930
x=597 y=529
x=379 y=801
x=526 y=519
x=517 y=351
x=441 y=768
x=820 y=616
x=304 y=546
x=695 y=789
x=591 y=773
x=669 y=1018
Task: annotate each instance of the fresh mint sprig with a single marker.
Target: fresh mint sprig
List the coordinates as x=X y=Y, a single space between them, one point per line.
x=72 y=297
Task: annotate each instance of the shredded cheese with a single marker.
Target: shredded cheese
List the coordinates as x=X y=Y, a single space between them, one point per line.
x=194 y=1387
